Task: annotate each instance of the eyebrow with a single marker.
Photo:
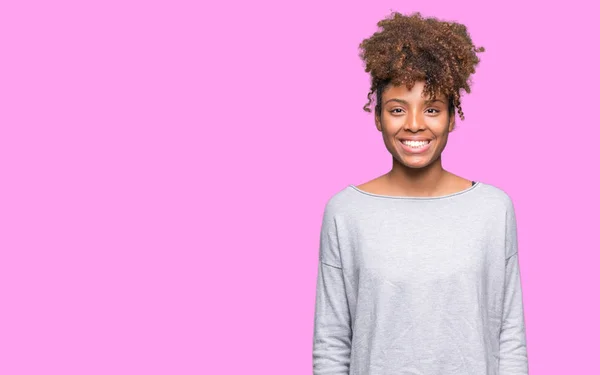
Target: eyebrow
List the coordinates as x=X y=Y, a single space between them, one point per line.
x=405 y=102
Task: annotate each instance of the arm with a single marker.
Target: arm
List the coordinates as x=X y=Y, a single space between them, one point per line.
x=513 y=345
x=332 y=328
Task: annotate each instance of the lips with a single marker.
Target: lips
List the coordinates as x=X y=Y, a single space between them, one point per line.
x=411 y=148
x=415 y=139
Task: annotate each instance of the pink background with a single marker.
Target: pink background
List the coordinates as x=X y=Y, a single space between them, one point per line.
x=165 y=166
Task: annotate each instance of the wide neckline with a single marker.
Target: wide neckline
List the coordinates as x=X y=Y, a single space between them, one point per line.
x=470 y=188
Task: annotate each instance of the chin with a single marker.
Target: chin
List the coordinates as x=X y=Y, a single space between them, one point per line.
x=416 y=164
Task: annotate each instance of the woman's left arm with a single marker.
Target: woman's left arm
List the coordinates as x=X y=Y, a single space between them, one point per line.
x=513 y=343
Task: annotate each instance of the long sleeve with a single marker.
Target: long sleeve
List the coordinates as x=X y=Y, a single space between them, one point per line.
x=332 y=327
x=513 y=343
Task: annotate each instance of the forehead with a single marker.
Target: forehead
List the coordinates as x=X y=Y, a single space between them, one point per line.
x=414 y=94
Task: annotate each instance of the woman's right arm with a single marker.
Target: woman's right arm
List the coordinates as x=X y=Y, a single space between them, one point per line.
x=332 y=327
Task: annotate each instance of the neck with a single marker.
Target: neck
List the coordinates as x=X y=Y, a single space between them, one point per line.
x=425 y=181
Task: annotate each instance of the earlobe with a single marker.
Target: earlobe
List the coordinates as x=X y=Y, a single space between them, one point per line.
x=378 y=122
x=452 y=124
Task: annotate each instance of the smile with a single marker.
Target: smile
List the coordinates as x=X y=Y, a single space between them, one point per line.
x=415 y=147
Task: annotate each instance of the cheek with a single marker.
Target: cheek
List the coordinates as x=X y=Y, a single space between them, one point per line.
x=442 y=141
x=440 y=130
x=391 y=125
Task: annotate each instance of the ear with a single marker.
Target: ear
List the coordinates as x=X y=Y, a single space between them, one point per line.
x=378 y=122
x=452 y=123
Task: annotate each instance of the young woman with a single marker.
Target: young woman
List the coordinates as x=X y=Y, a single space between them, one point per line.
x=419 y=270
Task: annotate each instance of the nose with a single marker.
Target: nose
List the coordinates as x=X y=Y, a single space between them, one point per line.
x=414 y=121
x=414 y=124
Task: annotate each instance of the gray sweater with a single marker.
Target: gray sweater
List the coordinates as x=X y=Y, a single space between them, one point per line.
x=419 y=285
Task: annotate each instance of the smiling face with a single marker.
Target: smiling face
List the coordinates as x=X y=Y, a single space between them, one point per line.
x=415 y=130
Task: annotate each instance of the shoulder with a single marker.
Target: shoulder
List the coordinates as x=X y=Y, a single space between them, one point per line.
x=496 y=196
x=338 y=202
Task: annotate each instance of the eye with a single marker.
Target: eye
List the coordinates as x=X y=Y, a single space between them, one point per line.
x=429 y=109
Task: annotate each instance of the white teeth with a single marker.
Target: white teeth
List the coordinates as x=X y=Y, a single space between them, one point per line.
x=415 y=144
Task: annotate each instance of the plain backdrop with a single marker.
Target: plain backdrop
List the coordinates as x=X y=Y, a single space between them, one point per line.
x=165 y=165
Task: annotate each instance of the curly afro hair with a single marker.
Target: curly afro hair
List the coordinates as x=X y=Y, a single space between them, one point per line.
x=412 y=48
